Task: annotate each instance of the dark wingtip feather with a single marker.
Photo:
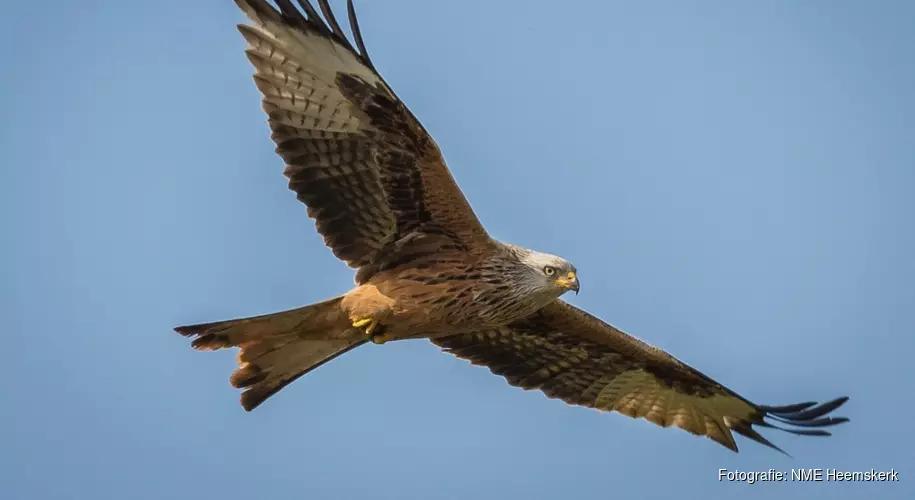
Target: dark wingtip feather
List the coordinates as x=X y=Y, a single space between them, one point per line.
x=817 y=422
x=788 y=408
x=801 y=419
x=334 y=25
x=808 y=416
x=747 y=431
x=291 y=13
x=327 y=25
x=260 y=7
x=312 y=13
x=357 y=35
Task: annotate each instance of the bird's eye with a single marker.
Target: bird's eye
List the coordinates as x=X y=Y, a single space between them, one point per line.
x=549 y=270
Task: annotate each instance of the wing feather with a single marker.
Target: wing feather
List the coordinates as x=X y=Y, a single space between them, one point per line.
x=570 y=355
x=369 y=173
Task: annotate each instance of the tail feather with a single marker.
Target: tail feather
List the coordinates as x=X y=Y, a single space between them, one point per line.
x=278 y=348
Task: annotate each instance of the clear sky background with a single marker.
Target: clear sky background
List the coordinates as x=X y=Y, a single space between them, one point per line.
x=733 y=181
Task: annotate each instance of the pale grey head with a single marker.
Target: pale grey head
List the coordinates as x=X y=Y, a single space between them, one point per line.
x=544 y=275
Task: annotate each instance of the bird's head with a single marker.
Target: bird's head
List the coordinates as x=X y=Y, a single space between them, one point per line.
x=551 y=273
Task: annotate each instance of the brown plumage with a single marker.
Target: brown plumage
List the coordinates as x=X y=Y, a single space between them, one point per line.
x=378 y=189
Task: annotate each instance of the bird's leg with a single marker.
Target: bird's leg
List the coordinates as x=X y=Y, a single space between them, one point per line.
x=372 y=330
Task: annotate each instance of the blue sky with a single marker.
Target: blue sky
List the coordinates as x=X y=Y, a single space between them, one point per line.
x=733 y=181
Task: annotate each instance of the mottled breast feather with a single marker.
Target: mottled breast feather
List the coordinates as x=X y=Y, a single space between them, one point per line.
x=369 y=173
x=573 y=356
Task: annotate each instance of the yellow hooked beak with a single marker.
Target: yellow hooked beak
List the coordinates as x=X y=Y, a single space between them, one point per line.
x=569 y=282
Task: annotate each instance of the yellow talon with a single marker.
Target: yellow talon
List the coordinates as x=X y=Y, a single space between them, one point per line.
x=369 y=323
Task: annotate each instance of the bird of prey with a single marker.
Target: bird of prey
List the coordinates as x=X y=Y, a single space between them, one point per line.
x=378 y=190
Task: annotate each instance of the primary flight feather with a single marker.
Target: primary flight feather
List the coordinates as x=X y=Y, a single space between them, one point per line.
x=380 y=194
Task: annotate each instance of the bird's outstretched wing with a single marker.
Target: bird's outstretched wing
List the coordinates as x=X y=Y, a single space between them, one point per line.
x=370 y=174
x=573 y=356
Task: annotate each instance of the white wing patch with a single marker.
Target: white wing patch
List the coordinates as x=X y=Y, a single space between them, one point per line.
x=638 y=394
x=297 y=73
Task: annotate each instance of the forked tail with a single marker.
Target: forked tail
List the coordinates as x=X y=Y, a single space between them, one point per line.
x=278 y=348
